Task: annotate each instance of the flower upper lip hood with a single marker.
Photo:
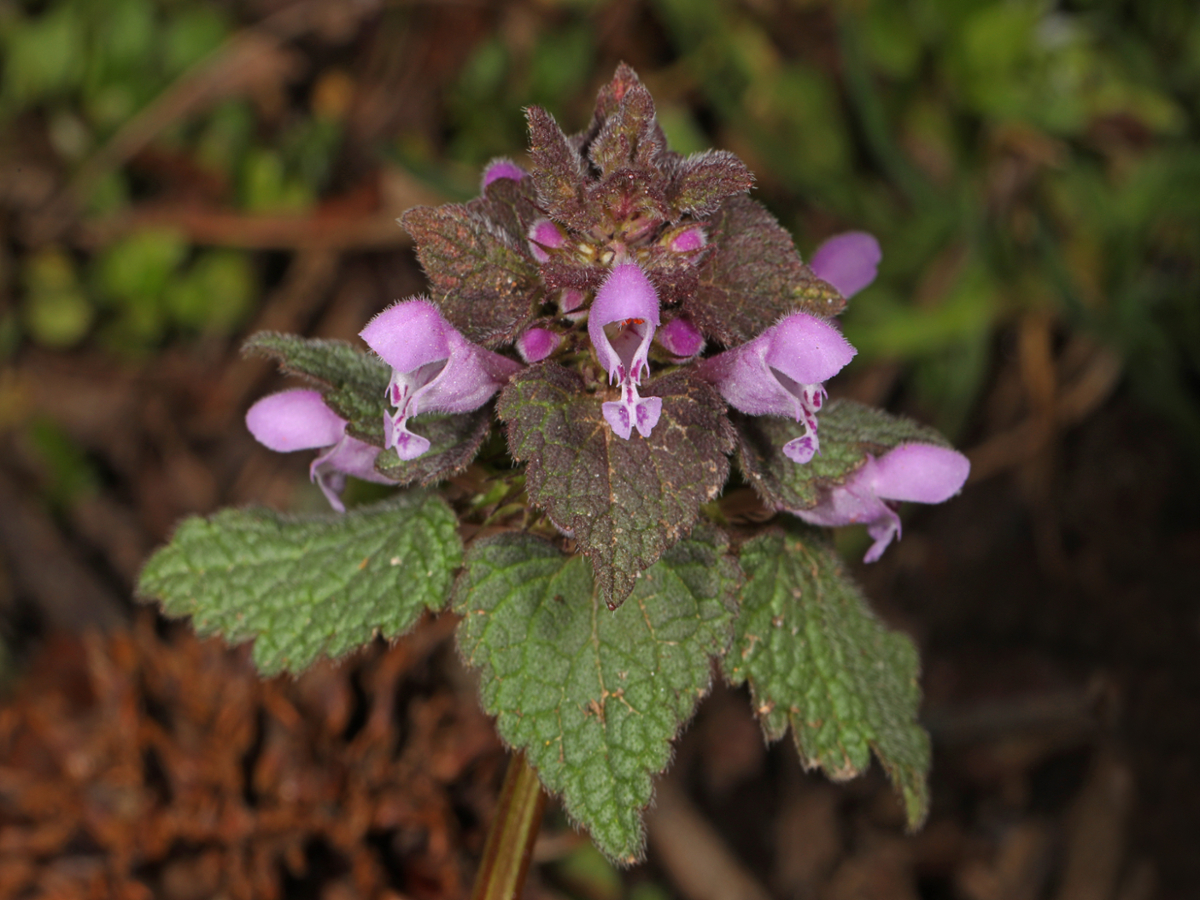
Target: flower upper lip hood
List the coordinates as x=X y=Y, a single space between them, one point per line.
x=924 y=473
x=627 y=298
x=621 y=325
x=848 y=261
x=780 y=373
x=299 y=420
x=434 y=369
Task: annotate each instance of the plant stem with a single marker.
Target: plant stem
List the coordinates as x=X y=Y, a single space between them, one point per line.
x=509 y=847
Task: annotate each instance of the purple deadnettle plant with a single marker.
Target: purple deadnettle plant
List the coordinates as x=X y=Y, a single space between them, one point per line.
x=610 y=329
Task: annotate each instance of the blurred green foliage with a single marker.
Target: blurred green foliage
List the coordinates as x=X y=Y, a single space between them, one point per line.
x=83 y=69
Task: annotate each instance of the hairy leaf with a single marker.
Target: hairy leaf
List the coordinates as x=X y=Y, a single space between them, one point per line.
x=557 y=171
x=352 y=383
x=848 y=432
x=307 y=586
x=819 y=661
x=625 y=501
x=703 y=181
x=481 y=276
x=454 y=441
x=753 y=276
x=629 y=138
x=594 y=697
x=510 y=204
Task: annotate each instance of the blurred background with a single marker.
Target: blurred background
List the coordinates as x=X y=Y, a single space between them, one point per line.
x=176 y=174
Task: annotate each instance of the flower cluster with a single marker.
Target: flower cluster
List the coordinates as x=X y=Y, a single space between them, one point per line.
x=614 y=256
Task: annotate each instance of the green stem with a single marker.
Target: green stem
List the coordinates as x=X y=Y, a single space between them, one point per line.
x=510 y=840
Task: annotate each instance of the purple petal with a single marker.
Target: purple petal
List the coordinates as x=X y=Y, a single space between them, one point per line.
x=848 y=261
x=852 y=503
x=349 y=456
x=632 y=412
x=537 y=343
x=570 y=300
x=406 y=444
x=883 y=530
x=434 y=369
x=544 y=235
x=680 y=338
x=689 y=240
x=409 y=334
x=618 y=417
x=628 y=299
x=502 y=168
x=807 y=349
x=775 y=373
x=920 y=472
x=294 y=420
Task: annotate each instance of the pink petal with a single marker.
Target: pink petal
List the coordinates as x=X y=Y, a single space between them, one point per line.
x=502 y=168
x=848 y=261
x=537 y=343
x=294 y=420
x=920 y=472
x=807 y=349
x=409 y=334
x=680 y=338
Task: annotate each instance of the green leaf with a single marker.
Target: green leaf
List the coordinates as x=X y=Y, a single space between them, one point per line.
x=594 y=697
x=482 y=277
x=353 y=384
x=754 y=276
x=453 y=443
x=625 y=501
x=819 y=661
x=848 y=432
x=304 y=587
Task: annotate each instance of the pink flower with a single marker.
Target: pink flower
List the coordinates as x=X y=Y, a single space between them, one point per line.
x=434 y=369
x=300 y=420
x=501 y=168
x=544 y=235
x=781 y=373
x=680 y=338
x=621 y=325
x=535 y=344
x=848 y=261
x=923 y=473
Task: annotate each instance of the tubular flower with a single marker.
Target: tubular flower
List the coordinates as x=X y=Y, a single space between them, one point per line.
x=680 y=338
x=502 y=168
x=924 y=473
x=780 y=373
x=621 y=324
x=543 y=235
x=300 y=420
x=434 y=369
x=848 y=261
x=535 y=344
